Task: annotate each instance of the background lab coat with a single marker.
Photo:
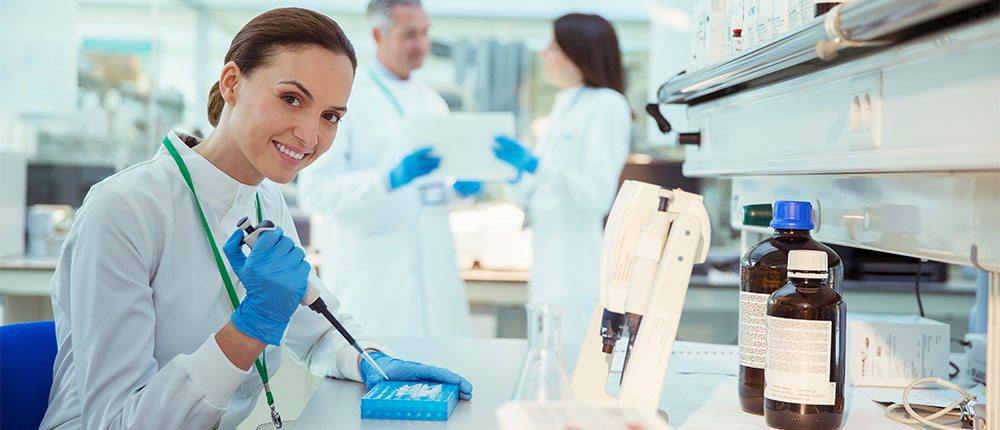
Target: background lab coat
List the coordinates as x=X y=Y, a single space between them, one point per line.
x=388 y=257
x=137 y=298
x=581 y=157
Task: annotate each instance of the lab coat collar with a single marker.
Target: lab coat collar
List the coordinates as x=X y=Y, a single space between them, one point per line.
x=212 y=185
x=565 y=98
x=384 y=72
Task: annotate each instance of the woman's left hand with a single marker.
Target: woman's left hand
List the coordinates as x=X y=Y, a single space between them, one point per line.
x=517 y=155
x=402 y=370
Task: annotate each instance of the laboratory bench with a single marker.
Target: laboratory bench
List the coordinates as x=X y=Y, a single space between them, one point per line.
x=25 y=284
x=691 y=400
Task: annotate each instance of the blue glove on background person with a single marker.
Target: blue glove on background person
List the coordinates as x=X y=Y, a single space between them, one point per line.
x=275 y=276
x=402 y=370
x=467 y=188
x=413 y=166
x=517 y=155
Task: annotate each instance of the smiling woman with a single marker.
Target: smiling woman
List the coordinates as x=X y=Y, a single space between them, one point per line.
x=284 y=87
x=278 y=118
x=150 y=326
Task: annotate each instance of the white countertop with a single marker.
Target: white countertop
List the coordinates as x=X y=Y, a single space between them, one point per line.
x=692 y=401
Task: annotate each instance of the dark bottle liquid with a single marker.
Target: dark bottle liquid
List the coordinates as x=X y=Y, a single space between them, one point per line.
x=762 y=272
x=805 y=351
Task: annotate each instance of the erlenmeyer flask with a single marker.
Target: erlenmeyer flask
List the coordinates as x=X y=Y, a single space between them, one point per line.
x=543 y=375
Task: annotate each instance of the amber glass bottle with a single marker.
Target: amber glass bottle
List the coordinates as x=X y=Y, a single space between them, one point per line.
x=762 y=272
x=806 y=327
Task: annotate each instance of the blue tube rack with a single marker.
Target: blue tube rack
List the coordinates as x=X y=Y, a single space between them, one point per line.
x=393 y=400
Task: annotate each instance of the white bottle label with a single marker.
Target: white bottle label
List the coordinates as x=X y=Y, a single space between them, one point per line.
x=798 y=361
x=753 y=329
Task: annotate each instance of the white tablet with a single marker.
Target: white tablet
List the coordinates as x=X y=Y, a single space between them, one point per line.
x=464 y=141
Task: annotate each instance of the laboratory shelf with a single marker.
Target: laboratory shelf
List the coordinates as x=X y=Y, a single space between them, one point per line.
x=853 y=29
x=882 y=114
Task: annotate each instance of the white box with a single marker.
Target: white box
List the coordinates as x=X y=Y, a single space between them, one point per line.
x=894 y=350
x=976 y=353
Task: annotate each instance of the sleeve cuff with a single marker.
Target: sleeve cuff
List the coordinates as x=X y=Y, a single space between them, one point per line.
x=347 y=357
x=387 y=181
x=213 y=374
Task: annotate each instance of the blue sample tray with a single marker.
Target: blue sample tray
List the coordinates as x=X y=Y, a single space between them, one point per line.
x=410 y=400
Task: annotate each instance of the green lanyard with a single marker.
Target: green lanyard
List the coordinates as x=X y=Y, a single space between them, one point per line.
x=385 y=90
x=260 y=363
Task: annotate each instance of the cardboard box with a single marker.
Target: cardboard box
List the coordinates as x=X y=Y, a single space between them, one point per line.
x=976 y=353
x=894 y=350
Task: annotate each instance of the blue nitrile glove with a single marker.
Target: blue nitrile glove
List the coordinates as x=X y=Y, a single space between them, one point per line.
x=514 y=153
x=402 y=370
x=275 y=275
x=467 y=188
x=413 y=166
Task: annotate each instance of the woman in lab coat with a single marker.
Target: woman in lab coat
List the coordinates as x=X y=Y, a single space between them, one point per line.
x=567 y=184
x=143 y=299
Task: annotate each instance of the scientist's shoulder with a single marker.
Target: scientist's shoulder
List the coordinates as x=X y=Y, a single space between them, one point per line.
x=607 y=98
x=143 y=183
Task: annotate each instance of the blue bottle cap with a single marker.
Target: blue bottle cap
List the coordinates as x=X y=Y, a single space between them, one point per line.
x=792 y=215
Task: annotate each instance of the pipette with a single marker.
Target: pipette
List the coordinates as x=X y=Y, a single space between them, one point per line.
x=312 y=298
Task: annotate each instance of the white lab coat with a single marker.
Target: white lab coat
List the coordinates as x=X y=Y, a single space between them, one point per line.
x=137 y=298
x=389 y=255
x=581 y=156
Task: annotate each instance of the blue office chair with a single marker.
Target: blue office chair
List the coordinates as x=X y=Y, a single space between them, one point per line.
x=27 y=352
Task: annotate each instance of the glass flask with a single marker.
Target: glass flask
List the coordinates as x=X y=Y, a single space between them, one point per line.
x=543 y=374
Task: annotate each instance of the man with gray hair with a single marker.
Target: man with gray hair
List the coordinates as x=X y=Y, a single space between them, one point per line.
x=385 y=242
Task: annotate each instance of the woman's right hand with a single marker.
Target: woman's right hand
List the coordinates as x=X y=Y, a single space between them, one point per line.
x=275 y=276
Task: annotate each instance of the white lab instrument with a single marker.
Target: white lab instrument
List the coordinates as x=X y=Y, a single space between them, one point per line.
x=464 y=141
x=652 y=239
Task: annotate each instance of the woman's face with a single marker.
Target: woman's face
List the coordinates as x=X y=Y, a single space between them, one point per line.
x=559 y=70
x=284 y=115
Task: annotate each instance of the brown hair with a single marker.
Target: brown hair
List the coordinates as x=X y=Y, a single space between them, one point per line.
x=591 y=43
x=290 y=27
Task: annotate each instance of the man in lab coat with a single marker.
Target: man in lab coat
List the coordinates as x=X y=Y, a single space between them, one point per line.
x=386 y=246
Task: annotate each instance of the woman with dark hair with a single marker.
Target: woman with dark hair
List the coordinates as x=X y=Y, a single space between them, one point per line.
x=567 y=184
x=155 y=328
